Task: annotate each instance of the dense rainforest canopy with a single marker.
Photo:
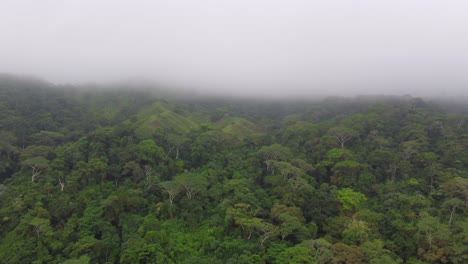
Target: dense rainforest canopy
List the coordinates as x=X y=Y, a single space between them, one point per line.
x=120 y=176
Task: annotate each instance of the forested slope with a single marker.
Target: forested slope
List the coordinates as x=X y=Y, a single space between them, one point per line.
x=116 y=176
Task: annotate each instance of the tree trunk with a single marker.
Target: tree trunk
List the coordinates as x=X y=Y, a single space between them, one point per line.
x=452 y=211
x=62 y=184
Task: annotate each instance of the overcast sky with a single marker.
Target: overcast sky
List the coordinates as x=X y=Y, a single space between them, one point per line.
x=269 y=47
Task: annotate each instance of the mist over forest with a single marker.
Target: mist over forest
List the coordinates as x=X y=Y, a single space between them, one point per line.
x=265 y=48
x=126 y=173
x=233 y=132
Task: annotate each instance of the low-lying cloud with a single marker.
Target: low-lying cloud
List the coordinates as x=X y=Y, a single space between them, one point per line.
x=262 y=48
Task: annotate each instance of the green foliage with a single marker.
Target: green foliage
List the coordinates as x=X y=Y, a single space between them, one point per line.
x=350 y=199
x=126 y=177
x=82 y=260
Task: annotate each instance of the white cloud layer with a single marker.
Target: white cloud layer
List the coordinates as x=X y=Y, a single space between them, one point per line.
x=251 y=47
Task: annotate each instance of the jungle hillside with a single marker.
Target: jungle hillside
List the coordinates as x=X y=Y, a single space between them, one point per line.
x=140 y=176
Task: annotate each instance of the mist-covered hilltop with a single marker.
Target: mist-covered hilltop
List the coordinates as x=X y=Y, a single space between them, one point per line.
x=143 y=176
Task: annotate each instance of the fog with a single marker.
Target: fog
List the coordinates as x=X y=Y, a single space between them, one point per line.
x=265 y=48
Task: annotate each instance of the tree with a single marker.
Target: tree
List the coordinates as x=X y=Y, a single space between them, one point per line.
x=48 y=138
x=457 y=187
x=267 y=230
x=346 y=171
x=7 y=144
x=269 y=154
x=35 y=158
x=457 y=249
x=176 y=144
x=342 y=134
x=41 y=226
x=343 y=253
x=172 y=188
x=429 y=162
x=356 y=233
x=317 y=251
x=274 y=152
x=433 y=231
x=452 y=205
x=242 y=214
x=37 y=165
x=62 y=184
x=134 y=170
x=192 y=183
x=98 y=167
x=296 y=254
x=82 y=260
x=290 y=220
x=350 y=199
x=148 y=151
x=150 y=179
x=376 y=253
x=410 y=148
x=290 y=225
x=320 y=249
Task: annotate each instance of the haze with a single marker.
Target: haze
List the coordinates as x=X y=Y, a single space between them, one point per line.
x=251 y=48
